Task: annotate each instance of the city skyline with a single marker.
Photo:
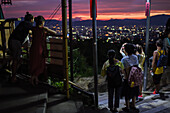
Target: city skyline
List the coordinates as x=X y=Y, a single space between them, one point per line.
x=107 y=9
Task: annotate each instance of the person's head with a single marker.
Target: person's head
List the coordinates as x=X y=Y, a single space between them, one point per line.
x=129 y=48
x=111 y=55
x=29 y=17
x=167 y=30
x=159 y=43
x=166 y=33
x=139 y=48
x=40 y=21
x=168 y=24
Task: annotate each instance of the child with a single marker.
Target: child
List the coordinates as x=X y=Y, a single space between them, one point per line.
x=38 y=50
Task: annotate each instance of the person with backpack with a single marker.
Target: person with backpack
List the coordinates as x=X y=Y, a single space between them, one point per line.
x=130 y=88
x=113 y=68
x=158 y=62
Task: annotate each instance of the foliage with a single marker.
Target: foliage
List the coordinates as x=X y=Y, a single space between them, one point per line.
x=58 y=84
x=83 y=50
x=80 y=65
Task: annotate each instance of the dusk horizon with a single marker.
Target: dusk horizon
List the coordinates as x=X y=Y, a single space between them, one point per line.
x=75 y=19
x=106 y=10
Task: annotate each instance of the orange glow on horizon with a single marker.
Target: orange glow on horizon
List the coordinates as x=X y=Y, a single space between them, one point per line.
x=108 y=16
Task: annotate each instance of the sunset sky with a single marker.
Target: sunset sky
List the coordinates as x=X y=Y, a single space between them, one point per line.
x=107 y=9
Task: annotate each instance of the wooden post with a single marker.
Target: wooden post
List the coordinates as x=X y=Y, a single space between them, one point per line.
x=64 y=28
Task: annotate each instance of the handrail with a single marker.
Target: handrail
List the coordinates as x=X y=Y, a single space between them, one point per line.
x=78 y=88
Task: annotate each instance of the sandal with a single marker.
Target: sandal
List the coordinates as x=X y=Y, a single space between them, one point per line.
x=34 y=80
x=125 y=109
x=135 y=109
x=13 y=79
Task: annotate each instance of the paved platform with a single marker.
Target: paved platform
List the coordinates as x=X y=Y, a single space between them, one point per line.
x=150 y=103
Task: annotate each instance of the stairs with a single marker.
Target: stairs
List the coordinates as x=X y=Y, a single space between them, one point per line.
x=22 y=97
x=59 y=104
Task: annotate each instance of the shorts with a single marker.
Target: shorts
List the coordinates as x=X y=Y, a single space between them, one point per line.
x=157 y=78
x=15 y=48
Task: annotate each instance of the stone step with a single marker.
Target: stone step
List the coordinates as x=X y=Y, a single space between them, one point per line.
x=56 y=99
x=19 y=100
x=63 y=107
x=22 y=97
x=60 y=104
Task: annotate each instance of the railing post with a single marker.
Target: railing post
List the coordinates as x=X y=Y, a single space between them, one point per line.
x=95 y=59
x=71 y=40
x=64 y=28
x=146 y=47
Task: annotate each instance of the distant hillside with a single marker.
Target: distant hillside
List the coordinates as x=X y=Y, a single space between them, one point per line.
x=53 y=22
x=48 y=22
x=157 y=20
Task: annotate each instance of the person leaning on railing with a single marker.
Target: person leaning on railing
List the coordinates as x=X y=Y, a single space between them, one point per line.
x=16 y=40
x=38 y=50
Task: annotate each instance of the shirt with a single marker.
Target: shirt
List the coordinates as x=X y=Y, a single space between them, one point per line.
x=159 y=70
x=129 y=61
x=21 y=31
x=106 y=64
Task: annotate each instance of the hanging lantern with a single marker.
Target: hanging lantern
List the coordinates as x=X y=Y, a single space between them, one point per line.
x=6 y=2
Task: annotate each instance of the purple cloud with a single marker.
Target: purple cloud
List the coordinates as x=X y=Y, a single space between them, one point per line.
x=81 y=8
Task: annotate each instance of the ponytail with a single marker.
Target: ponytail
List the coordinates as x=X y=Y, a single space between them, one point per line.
x=111 y=55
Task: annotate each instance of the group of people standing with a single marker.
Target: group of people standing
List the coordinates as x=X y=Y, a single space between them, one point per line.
x=133 y=55
x=38 y=50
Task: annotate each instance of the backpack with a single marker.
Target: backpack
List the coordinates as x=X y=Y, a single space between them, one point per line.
x=135 y=76
x=163 y=60
x=114 y=77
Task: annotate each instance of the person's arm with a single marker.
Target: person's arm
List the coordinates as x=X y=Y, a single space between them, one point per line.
x=122 y=69
x=103 y=71
x=122 y=51
x=165 y=44
x=154 y=61
x=50 y=32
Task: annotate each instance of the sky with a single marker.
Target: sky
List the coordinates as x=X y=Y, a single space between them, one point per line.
x=106 y=9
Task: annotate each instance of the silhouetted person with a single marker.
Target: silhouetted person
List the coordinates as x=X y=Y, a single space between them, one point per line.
x=16 y=41
x=113 y=87
x=166 y=47
x=38 y=50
